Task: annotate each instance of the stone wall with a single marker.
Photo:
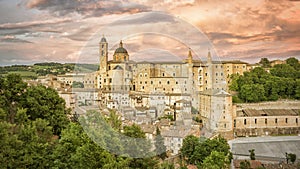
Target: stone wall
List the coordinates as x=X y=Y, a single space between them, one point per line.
x=266 y=131
x=283 y=104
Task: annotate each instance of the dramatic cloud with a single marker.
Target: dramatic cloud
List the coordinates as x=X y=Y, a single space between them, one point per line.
x=68 y=30
x=240 y=25
x=86 y=7
x=24 y=25
x=13 y=39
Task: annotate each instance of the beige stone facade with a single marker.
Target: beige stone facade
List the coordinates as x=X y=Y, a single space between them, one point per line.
x=125 y=83
x=270 y=118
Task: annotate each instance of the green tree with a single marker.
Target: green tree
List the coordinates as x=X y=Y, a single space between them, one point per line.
x=293 y=62
x=245 y=165
x=45 y=103
x=188 y=148
x=252 y=93
x=252 y=154
x=265 y=62
x=160 y=148
x=194 y=151
x=139 y=146
x=216 y=160
x=166 y=165
x=292 y=157
x=297 y=89
x=26 y=145
x=234 y=86
x=12 y=89
x=77 y=150
x=284 y=70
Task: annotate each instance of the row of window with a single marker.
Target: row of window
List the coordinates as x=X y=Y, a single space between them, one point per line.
x=266 y=121
x=164 y=89
x=168 y=82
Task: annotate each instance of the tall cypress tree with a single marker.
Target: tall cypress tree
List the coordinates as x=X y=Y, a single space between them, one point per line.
x=160 y=148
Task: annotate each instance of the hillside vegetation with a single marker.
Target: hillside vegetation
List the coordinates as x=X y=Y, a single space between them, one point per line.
x=42 y=69
x=281 y=82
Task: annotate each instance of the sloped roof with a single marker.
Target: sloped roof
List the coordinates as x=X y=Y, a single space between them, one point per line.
x=215 y=92
x=118 y=67
x=270 y=112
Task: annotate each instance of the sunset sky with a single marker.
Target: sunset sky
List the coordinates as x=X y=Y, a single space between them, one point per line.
x=34 y=31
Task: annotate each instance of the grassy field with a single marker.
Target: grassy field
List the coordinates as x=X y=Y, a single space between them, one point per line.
x=24 y=74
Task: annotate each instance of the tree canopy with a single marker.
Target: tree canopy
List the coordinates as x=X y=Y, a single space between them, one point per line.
x=258 y=85
x=204 y=153
x=36 y=132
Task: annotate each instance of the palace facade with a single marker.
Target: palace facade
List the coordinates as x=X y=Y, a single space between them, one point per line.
x=126 y=84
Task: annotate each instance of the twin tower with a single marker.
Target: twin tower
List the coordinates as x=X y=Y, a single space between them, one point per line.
x=120 y=55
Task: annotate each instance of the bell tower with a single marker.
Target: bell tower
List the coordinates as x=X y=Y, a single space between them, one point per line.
x=209 y=71
x=190 y=57
x=103 y=52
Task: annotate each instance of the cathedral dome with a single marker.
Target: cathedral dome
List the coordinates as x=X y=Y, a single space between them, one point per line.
x=120 y=49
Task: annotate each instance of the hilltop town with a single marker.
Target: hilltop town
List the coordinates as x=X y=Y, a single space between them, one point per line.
x=181 y=98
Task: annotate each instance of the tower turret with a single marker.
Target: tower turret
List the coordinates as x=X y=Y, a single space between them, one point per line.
x=190 y=57
x=103 y=52
x=209 y=71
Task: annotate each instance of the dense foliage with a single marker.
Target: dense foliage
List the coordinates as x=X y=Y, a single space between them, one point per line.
x=35 y=132
x=160 y=148
x=212 y=153
x=283 y=82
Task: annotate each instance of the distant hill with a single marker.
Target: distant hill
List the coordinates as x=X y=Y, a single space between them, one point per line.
x=42 y=69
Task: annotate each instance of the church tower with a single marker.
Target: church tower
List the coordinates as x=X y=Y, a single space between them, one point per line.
x=209 y=71
x=190 y=57
x=103 y=52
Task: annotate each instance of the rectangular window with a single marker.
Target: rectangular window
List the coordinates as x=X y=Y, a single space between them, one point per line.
x=266 y=121
x=245 y=121
x=286 y=120
x=255 y=121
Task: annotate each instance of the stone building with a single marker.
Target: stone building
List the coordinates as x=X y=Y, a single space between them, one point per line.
x=277 y=62
x=174 y=138
x=216 y=110
x=270 y=118
x=125 y=83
